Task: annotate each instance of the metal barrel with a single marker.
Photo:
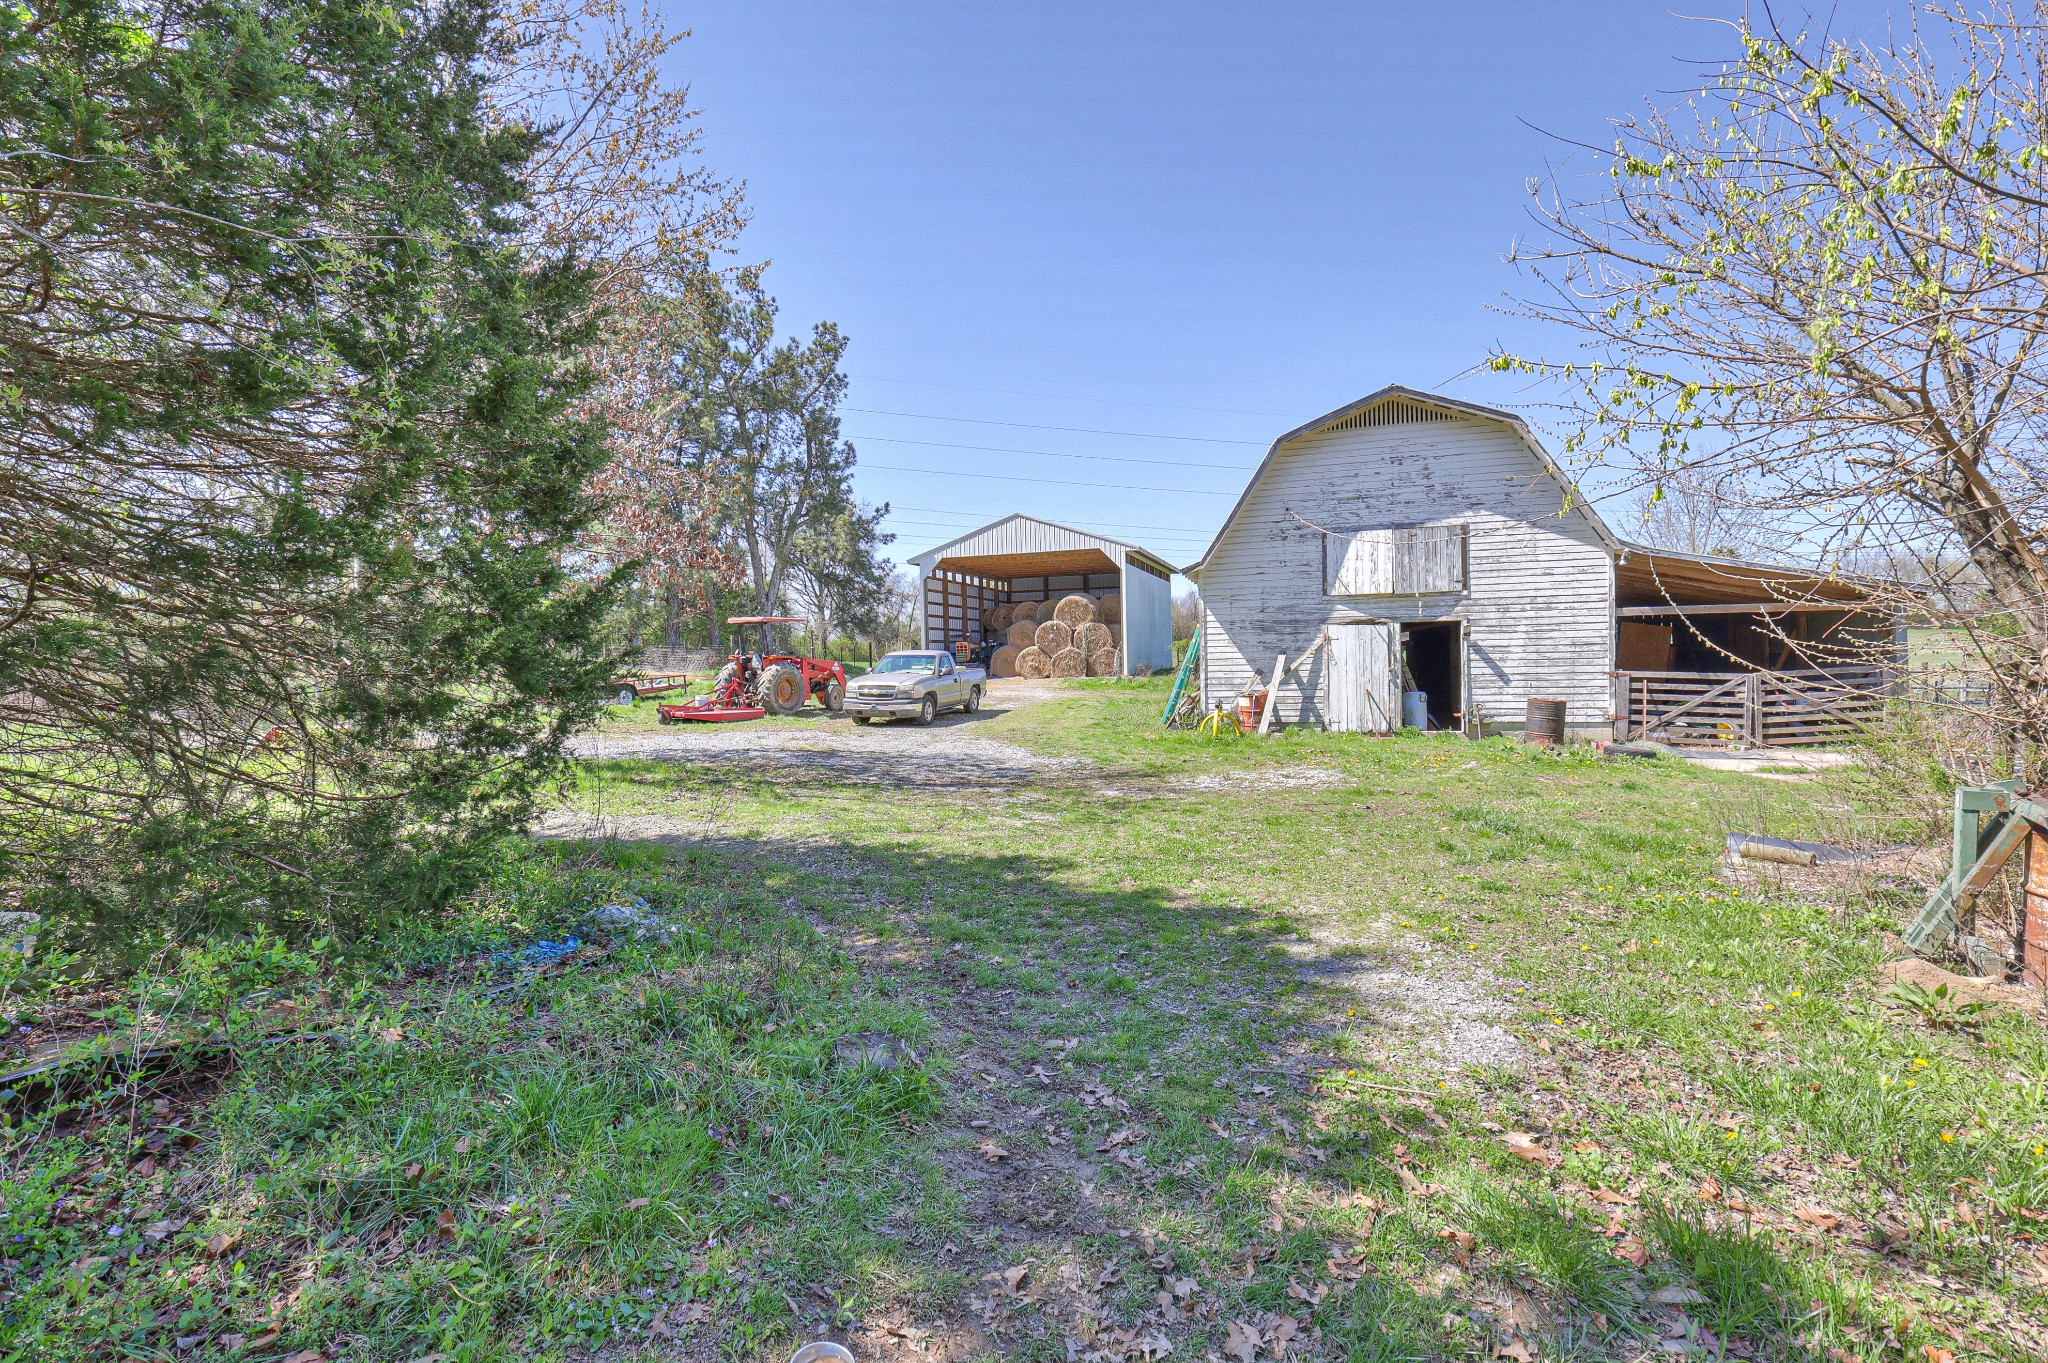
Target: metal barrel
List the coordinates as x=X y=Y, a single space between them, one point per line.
x=1546 y=721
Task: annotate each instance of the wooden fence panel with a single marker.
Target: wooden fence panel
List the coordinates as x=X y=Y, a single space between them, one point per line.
x=1773 y=709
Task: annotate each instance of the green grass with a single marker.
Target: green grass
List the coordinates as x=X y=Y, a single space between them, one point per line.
x=481 y=1175
x=1143 y=959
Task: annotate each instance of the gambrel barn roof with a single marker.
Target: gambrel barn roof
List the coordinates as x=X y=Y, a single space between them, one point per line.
x=1667 y=574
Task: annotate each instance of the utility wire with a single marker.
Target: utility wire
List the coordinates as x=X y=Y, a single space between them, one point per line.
x=1053 y=454
x=1051 y=482
x=1080 y=430
x=1121 y=525
x=1176 y=537
x=1063 y=397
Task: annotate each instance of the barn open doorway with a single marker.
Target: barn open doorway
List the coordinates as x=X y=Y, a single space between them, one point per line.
x=1433 y=661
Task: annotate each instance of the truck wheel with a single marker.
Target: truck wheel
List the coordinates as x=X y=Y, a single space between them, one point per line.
x=929 y=711
x=782 y=690
x=973 y=699
x=832 y=696
x=627 y=695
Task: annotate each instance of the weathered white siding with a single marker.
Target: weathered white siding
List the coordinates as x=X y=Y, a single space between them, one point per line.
x=1539 y=590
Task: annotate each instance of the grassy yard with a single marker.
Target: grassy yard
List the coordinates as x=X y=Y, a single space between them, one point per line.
x=1318 y=1046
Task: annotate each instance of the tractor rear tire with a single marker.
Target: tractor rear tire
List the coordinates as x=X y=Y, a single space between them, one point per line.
x=724 y=679
x=928 y=712
x=832 y=696
x=782 y=689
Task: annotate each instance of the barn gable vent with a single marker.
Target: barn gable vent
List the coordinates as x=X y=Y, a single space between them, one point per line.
x=1393 y=412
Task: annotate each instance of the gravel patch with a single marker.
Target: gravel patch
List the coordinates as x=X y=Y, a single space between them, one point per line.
x=1448 y=1018
x=949 y=756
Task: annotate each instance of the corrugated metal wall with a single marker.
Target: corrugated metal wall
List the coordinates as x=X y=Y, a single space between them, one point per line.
x=1148 y=621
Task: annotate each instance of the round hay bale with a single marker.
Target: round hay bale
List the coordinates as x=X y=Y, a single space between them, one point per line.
x=1093 y=636
x=1020 y=633
x=1052 y=636
x=1003 y=663
x=1024 y=610
x=1074 y=610
x=1069 y=662
x=1032 y=663
x=1102 y=663
x=1109 y=609
x=998 y=618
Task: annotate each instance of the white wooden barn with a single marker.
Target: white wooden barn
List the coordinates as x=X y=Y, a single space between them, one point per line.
x=1022 y=558
x=1431 y=545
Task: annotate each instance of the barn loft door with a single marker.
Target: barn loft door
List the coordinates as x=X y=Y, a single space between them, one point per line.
x=1362 y=686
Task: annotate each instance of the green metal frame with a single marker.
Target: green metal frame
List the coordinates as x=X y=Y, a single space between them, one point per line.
x=1180 y=678
x=1991 y=823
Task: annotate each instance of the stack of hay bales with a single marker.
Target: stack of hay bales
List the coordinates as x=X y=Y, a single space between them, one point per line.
x=1098 y=646
x=1076 y=636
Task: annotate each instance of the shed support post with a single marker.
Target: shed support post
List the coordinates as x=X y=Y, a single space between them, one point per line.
x=1753 y=709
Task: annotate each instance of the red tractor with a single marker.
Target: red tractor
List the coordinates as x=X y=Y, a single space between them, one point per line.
x=754 y=683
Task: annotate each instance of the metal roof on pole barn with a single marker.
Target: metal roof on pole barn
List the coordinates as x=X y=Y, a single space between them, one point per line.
x=1024 y=558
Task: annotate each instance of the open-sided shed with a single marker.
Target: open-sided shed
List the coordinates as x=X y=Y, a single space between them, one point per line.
x=1021 y=558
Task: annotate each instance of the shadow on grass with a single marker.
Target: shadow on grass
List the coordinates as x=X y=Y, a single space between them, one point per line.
x=1064 y=1017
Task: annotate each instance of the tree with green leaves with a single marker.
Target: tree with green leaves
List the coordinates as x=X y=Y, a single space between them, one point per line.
x=838 y=576
x=285 y=630
x=756 y=419
x=1817 y=289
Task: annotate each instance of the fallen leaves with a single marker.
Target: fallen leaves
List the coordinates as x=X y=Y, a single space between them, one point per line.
x=1462 y=1244
x=1008 y=1282
x=1312 y=1297
x=1348 y=1268
x=991 y=1151
x=1817 y=1217
x=1524 y=1146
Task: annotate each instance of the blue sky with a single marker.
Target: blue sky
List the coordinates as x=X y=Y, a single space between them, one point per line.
x=1093 y=257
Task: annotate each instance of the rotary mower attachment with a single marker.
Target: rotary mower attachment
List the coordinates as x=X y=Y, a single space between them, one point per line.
x=754 y=684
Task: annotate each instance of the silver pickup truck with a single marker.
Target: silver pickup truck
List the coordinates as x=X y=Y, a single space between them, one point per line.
x=915 y=686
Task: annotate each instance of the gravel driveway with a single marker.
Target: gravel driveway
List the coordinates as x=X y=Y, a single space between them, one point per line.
x=950 y=755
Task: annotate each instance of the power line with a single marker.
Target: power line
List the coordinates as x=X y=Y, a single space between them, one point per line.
x=1121 y=525
x=1065 y=397
x=1051 y=482
x=1172 y=537
x=1079 y=430
x=1053 y=454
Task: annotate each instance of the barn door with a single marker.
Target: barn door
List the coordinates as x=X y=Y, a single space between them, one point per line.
x=1362 y=685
